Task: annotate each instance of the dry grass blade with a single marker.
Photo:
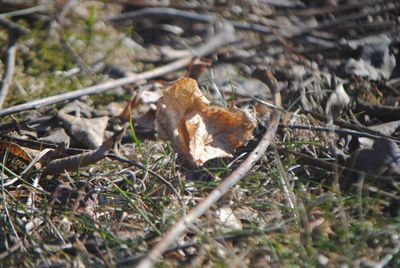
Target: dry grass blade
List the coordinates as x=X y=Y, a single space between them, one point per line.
x=180 y=227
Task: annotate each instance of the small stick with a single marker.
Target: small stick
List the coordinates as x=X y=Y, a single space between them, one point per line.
x=14 y=31
x=180 y=227
x=25 y=11
x=13 y=27
x=9 y=73
x=225 y=36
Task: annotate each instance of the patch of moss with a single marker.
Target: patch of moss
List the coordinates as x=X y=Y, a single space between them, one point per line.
x=40 y=58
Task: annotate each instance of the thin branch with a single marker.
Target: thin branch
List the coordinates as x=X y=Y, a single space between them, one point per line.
x=180 y=227
x=25 y=11
x=15 y=247
x=224 y=36
x=14 y=32
x=9 y=73
x=13 y=27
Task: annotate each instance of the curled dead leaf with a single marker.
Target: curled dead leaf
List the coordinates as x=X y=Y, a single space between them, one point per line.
x=198 y=130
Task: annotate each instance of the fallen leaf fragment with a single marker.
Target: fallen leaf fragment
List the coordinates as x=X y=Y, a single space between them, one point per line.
x=387 y=129
x=89 y=132
x=198 y=130
x=197 y=66
x=15 y=150
x=126 y=112
x=82 y=200
x=78 y=107
x=382 y=159
x=337 y=102
x=57 y=135
x=226 y=217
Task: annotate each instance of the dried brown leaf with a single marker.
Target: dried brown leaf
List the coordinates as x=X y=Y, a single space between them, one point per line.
x=198 y=130
x=15 y=150
x=197 y=66
x=126 y=113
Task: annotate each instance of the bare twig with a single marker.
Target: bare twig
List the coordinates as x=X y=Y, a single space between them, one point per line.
x=13 y=27
x=14 y=31
x=74 y=151
x=388 y=257
x=207 y=18
x=8 y=74
x=223 y=37
x=296 y=204
x=348 y=125
x=181 y=226
x=25 y=11
x=305 y=159
x=287 y=188
x=383 y=112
